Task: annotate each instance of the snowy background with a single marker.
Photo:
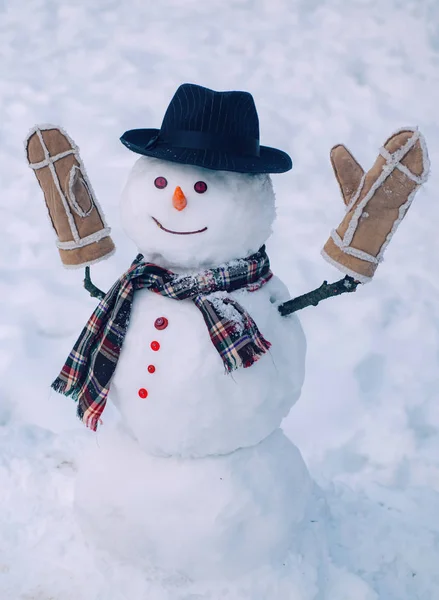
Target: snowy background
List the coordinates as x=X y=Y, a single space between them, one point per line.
x=322 y=72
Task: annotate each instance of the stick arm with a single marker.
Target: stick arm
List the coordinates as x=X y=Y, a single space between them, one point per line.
x=94 y=291
x=326 y=290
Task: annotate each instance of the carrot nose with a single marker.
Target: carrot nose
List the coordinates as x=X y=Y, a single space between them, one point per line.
x=179 y=199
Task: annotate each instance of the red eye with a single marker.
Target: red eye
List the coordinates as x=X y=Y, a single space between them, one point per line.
x=160 y=182
x=200 y=187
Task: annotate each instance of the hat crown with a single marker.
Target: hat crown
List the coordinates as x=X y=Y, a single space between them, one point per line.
x=196 y=108
x=209 y=129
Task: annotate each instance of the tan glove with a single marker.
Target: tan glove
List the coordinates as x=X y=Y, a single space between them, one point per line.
x=376 y=201
x=83 y=236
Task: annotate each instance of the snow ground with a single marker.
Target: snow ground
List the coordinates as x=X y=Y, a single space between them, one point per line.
x=322 y=72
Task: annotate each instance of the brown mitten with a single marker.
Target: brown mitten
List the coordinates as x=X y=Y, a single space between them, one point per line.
x=376 y=201
x=83 y=236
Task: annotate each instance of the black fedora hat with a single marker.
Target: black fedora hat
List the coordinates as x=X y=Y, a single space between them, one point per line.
x=214 y=130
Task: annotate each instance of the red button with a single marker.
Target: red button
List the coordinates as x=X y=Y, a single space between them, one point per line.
x=161 y=323
x=151 y=369
x=155 y=346
x=143 y=393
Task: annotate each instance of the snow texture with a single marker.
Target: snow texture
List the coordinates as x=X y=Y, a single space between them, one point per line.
x=367 y=423
x=216 y=517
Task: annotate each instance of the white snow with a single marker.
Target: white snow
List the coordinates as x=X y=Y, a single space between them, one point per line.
x=221 y=516
x=367 y=423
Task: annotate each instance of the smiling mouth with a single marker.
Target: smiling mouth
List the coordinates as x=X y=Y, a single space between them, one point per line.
x=177 y=232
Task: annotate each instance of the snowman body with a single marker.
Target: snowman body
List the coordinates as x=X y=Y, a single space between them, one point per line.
x=193 y=407
x=205 y=518
x=197 y=477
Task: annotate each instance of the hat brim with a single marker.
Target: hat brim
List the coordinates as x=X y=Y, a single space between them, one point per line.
x=270 y=160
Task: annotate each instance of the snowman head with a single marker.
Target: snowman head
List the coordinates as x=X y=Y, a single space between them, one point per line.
x=188 y=216
x=201 y=194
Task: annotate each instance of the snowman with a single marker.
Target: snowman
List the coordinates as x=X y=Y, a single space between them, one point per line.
x=189 y=345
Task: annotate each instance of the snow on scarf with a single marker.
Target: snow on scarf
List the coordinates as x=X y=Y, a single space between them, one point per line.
x=90 y=366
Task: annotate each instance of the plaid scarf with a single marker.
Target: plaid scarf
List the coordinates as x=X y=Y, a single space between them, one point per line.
x=90 y=366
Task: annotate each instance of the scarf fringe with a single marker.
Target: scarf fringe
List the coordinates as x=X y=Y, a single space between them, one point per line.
x=248 y=355
x=90 y=422
x=60 y=386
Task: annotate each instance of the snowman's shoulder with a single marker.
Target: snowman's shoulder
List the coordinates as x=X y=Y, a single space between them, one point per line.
x=279 y=293
x=277 y=290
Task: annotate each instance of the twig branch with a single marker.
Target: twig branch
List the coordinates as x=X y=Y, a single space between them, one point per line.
x=94 y=291
x=326 y=290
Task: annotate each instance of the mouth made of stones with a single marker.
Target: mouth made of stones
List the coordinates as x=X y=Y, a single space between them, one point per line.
x=177 y=232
